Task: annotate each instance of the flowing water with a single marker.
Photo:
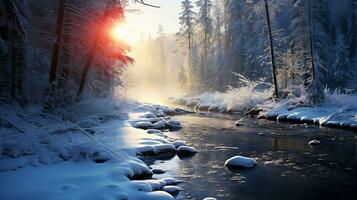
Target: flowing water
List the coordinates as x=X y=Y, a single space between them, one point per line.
x=288 y=168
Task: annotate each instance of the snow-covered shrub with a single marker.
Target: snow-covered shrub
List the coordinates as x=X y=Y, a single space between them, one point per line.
x=243 y=98
x=31 y=136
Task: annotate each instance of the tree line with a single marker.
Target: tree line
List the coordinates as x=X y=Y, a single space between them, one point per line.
x=300 y=46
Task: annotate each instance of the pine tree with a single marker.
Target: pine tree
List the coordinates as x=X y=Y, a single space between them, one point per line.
x=57 y=43
x=315 y=93
x=186 y=39
x=204 y=36
x=218 y=70
x=272 y=53
x=300 y=39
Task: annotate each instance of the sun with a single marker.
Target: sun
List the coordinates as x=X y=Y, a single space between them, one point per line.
x=121 y=32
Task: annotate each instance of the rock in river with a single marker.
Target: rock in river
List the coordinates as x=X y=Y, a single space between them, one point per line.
x=240 y=162
x=314 y=142
x=183 y=151
x=173 y=190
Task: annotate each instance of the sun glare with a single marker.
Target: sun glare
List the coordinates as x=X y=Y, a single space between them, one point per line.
x=121 y=32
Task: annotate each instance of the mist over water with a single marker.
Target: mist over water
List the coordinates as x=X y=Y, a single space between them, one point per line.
x=154 y=76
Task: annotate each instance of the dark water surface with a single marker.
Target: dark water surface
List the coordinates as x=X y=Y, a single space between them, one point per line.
x=288 y=168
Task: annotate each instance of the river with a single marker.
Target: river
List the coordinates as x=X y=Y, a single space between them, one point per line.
x=288 y=168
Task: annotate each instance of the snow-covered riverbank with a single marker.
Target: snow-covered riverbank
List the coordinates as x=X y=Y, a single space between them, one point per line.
x=338 y=110
x=92 y=156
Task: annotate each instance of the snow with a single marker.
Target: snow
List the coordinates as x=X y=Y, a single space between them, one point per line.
x=233 y=100
x=239 y=122
x=338 y=110
x=44 y=157
x=209 y=198
x=174 y=190
x=186 y=151
x=158 y=171
x=179 y=143
x=76 y=180
x=148 y=115
x=170 y=181
x=143 y=125
x=240 y=161
x=159 y=125
x=157 y=118
x=314 y=142
x=153 y=131
x=156 y=149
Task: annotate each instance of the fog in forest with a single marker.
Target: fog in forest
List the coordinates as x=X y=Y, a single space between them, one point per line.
x=154 y=76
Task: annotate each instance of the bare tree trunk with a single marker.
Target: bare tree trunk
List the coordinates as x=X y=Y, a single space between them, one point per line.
x=18 y=54
x=271 y=44
x=90 y=58
x=86 y=68
x=13 y=61
x=315 y=92
x=312 y=43
x=66 y=57
x=58 y=38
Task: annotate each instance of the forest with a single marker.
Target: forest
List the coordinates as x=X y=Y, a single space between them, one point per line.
x=96 y=105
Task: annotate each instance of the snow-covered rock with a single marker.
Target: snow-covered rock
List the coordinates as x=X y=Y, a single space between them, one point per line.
x=209 y=198
x=170 y=181
x=179 y=143
x=240 y=162
x=239 y=122
x=153 y=131
x=157 y=119
x=173 y=124
x=314 y=142
x=173 y=190
x=158 y=171
x=156 y=149
x=186 y=151
x=159 y=125
x=143 y=125
x=148 y=115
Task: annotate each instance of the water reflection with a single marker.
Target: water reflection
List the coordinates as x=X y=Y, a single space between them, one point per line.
x=288 y=167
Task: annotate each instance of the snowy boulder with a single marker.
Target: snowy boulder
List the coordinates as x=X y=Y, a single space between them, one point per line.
x=170 y=181
x=157 y=149
x=155 y=184
x=173 y=124
x=239 y=122
x=179 y=143
x=143 y=125
x=209 y=198
x=159 y=125
x=240 y=162
x=153 y=131
x=148 y=115
x=261 y=134
x=158 y=171
x=159 y=195
x=164 y=148
x=314 y=142
x=157 y=119
x=173 y=190
x=184 y=151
